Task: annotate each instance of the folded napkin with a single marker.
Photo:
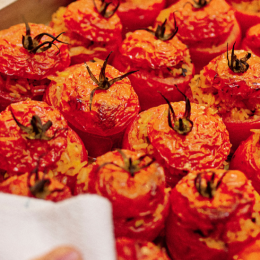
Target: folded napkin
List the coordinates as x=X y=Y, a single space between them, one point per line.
x=31 y=227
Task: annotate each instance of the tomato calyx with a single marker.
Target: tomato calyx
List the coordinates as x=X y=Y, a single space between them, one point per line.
x=182 y=125
x=129 y=165
x=103 y=8
x=206 y=185
x=103 y=82
x=159 y=33
x=37 y=130
x=238 y=65
x=40 y=189
x=199 y=4
x=33 y=45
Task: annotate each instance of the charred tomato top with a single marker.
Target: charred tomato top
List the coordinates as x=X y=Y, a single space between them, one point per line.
x=18 y=61
x=107 y=112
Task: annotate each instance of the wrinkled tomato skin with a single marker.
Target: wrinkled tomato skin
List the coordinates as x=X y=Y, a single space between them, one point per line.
x=135 y=15
x=246 y=159
x=17 y=61
x=140 y=201
x=102 y=127
x=205 y=30
x=200 y=227
x=159 y=66
x=19 y=154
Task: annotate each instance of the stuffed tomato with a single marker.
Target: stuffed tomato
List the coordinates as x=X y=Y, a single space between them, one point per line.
x=31 y=131
x=205 y=26
x=161 y=60
x=29 y=53
x=183 y=137
x=229 y=84
x=92 y=28
x=98 y=110
x=135 y=185
x=213 y=215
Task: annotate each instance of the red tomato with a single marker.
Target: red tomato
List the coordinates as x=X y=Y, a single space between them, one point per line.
x=205 y=146
x=101 y=120
x=205 y=29
x=136 y=14
x=246 y=159
x=135 y=185
x=22 y=143
x=234 y=94
x=213 y=215
x=251 y=252
x=160 y=65
x=130 y=249
x=23 y=73
x=251 y=41
x=42 y=187
x=90 y=33
x=246 y=12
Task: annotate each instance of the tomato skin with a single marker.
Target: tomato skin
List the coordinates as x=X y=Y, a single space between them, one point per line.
x=112 y=110
x=251 y=252
x=205 y=30
x=251 y=41
x=17 y=61
x=202 y=228
x=206 y=146
x=234 y=95
x=90 y=34
x=19 y=154
x=18 y=185
x=139 y=14
x=246 y=159
x=157 y=63
x=130 y=249
x=140 y=202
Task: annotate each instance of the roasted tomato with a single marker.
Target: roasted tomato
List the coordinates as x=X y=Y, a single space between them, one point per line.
x=130 y=249
x=205 y=26
x=136 y=14
x=251 y=41
x=30 y=130
x=161 y=60
x=135 y=185
x=213 y=215
x=181 y=137
x=230 y=84
x=36 y=185
x=29 y=53
x=92 y=28
x=98 y=110
x=247 y=159
x=247 y=13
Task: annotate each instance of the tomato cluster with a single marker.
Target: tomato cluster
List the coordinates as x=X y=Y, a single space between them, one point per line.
x=71 y=96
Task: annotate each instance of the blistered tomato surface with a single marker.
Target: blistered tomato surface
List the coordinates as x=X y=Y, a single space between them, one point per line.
x=17 y=61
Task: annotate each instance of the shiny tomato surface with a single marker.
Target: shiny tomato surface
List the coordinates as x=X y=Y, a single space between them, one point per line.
x=213 y=215
x=160 y=65
x=139 y=199
x=21 y=152
x=233 y=94
x=111 y=110
x=205 y=146
x=16 y=61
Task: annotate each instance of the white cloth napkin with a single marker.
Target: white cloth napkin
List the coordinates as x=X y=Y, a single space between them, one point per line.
x=31 y=227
